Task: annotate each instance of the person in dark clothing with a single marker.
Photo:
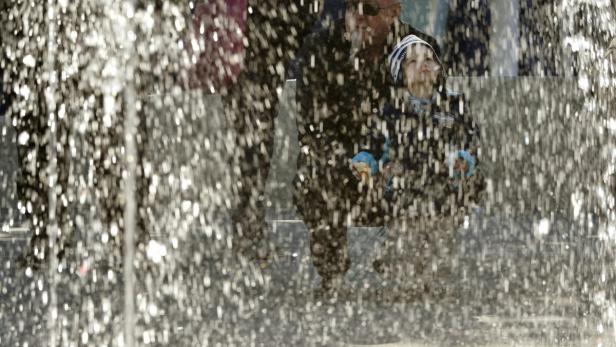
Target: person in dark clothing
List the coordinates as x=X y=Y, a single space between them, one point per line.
x=467 y=38
x=540 y=41
x=427 y=142
x=344 y=81
x=273 y=31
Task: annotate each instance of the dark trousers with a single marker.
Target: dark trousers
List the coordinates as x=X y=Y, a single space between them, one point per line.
x=325 y=219
x=420 y=242
x=251 y=107
x=328 y=205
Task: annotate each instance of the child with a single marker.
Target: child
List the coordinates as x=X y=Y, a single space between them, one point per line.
x=426 y=145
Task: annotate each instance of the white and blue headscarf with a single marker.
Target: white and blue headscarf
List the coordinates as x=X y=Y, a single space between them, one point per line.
x=398 y=56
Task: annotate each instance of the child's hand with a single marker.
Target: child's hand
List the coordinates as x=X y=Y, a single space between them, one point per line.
x=461 y=164
x=361 y=171
x=364 y=166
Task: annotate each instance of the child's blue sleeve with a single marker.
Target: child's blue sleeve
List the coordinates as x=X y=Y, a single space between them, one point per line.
x=367 y=159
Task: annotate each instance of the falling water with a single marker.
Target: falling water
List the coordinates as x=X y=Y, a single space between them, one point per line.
x=130 y=210
x=52 y=171
x=137 y=171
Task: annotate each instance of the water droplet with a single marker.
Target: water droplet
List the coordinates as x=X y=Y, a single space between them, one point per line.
x=541 y=228
x=156 y=251
x=152 y=309
x=114 y=229
x=23 y=138
x=29 y=61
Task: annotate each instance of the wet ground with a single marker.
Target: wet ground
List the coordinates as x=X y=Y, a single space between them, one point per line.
x=200 y=304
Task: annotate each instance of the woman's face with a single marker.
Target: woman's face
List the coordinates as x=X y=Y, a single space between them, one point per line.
x=420 y=66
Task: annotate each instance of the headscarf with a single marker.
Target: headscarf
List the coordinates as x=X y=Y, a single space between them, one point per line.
x=398 y=56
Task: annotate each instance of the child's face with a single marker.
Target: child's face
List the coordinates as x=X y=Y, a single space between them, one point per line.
x=420 y=66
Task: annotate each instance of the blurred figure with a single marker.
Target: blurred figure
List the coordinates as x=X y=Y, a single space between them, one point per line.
x=540 y=43
x=467 y=38
x=462 y=29
x=216 y=41
x=345 y=80
x=428 y=134
x=246 y=62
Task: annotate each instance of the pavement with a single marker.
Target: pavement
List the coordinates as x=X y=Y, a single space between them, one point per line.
x=199 y=295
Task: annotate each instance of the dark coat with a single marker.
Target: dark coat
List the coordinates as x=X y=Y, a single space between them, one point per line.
x=419 y=143
x=337 y=97
x=344 y=110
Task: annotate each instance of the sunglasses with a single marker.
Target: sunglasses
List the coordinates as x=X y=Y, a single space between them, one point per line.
x=365 y=8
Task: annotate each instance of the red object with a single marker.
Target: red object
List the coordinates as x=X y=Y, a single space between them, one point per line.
x=217 y=43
